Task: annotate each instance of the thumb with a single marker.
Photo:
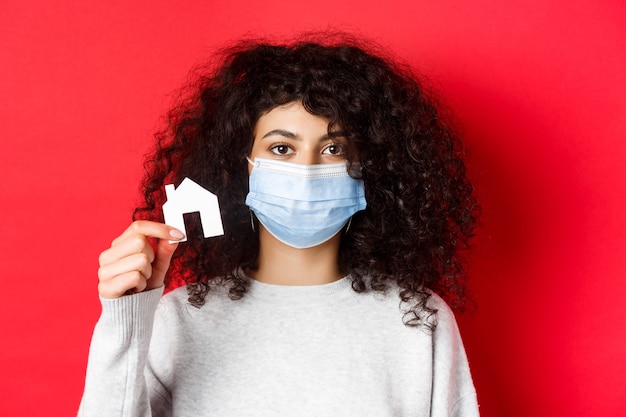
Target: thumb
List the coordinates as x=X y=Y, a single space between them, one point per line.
x=162 y=258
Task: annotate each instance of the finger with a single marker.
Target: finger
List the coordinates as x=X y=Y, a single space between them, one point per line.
x=130 y=245
x=150 y=229
x=127 y=265
x=118 y=286
x=139 y=262
x=161 y=263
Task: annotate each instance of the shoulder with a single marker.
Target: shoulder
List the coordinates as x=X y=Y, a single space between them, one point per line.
x=443 y=313
x=443 y=321
x=436 y=319
x=173 y=300
x=436 y=313
x=180 y=295
x=175 y=305
x=175 y=296
x=446 y=335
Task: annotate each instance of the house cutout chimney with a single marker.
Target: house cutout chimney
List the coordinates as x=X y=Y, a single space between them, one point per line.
x=190 y=197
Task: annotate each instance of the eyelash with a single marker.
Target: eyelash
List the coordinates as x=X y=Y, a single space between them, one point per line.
x=338 y=147
x=274 y=148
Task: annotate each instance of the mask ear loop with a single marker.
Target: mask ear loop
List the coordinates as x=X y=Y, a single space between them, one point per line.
x=251 y=214
x=348 y=226
x=252 y=221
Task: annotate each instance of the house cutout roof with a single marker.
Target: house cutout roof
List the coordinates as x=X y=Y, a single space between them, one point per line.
x=190 y=197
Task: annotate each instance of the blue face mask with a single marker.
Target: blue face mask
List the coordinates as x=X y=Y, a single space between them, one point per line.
x=303 y=205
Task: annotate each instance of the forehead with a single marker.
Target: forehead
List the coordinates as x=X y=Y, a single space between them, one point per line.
x=292 y=117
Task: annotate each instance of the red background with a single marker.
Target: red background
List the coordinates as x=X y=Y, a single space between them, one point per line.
x=538 y=88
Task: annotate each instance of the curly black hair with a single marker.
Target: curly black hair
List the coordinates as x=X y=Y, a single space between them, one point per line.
x=420 y=207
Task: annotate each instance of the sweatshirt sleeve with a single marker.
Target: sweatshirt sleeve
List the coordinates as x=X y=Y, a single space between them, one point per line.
x=453 y=392
x=115 y=384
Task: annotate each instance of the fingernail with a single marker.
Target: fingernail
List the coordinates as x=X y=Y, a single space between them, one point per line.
x=177 y=234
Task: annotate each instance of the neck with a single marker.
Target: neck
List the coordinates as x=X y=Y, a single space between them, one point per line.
x=281 y=264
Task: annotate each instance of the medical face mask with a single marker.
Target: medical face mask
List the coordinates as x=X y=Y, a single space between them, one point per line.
x=303 y=205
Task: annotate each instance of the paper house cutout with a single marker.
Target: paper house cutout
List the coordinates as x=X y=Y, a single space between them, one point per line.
x=190 y=197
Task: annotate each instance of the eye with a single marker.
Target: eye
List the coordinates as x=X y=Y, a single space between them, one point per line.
x=334 y=149
x=281 y=149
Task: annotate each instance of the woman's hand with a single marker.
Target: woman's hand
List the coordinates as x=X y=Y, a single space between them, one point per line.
x=130 y=264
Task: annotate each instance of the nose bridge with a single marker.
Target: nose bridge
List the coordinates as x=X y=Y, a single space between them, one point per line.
x=309 y=153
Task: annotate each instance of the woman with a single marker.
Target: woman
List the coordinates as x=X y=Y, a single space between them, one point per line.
x=344 y=203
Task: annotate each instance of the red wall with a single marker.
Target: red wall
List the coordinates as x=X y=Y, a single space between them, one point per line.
x=538 y=87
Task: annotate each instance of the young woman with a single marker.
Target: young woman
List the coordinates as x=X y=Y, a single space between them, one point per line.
x=344 y=203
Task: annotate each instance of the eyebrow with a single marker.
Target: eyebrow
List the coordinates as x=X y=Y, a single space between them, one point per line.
x=291 y=135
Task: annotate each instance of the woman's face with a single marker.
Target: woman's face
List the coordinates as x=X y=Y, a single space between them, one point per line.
x=289 y=133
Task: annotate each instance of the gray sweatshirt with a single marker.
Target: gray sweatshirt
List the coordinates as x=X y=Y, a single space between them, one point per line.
x=279 y=351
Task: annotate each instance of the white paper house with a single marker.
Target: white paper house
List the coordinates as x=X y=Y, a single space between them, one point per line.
x=190 y=197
